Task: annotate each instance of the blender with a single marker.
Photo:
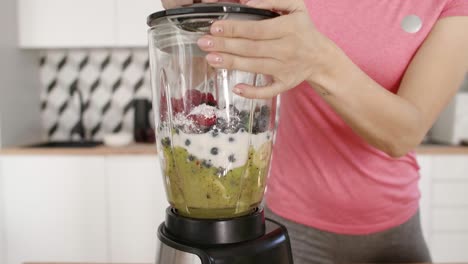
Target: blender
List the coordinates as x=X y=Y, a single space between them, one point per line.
x=214 y=146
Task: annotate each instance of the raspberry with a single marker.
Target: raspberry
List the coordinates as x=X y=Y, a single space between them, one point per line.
x=177 y=105
x=193 y=98
x=163 y=108
x=209 y=99
x=201 y=120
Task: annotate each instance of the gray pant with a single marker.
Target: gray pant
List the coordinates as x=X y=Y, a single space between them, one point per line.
x=401 y=244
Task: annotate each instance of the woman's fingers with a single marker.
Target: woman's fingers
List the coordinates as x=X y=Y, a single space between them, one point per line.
x=258 y=30
x=167 y=4
x=233 y=62
x=241 y=47
x=280 y=5
x=264 y=92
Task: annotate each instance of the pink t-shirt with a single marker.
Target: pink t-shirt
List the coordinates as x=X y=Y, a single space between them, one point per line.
x=325 y=176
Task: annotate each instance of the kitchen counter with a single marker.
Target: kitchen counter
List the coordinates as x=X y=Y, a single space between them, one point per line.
x=134 y=149
x=150 y=149
x=437 y=149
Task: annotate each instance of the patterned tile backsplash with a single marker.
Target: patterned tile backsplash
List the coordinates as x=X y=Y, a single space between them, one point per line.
x=108 y=79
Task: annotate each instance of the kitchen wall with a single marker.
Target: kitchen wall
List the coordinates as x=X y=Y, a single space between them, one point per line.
x=19 y=91
x=109 y=80
x=19 y=95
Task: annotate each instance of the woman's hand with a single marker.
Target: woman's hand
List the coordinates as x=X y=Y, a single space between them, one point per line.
x=178 y=3
x=289 y=48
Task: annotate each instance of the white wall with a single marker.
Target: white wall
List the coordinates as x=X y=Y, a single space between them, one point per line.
x=19 y=81
x=19 y=95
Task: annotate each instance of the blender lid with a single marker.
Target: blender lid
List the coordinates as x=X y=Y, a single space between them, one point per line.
x=210 y=8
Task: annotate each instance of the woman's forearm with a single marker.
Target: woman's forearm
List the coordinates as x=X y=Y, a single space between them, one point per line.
x=385 y=120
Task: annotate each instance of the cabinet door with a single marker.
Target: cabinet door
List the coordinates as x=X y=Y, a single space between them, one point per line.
x=450 y=247
x=449 y=208
x=131 y=21
x=66 y=23
x=55 y=209
x=137 y=206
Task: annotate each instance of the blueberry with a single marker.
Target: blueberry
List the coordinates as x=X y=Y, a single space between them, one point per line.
x=231 y=158
x=187 y=142
x=215 y=132
x=260 y=125
x=242 y=130
x=221 y=171
x=231 y=139
x=265 y=111
x=233 y=111
x=166 y=142
x=244 y=116
x=206 y=164
x=191 y=158
x=214 y=151
x=221 y=123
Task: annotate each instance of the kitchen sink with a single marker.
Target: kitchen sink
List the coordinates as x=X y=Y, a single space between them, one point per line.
x=66 y=144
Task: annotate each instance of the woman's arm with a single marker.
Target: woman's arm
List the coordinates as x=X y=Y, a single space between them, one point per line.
x=392 y=123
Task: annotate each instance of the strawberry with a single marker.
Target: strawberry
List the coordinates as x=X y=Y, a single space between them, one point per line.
x=205 y=121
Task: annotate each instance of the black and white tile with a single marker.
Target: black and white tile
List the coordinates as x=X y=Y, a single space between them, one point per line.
x=109 y=80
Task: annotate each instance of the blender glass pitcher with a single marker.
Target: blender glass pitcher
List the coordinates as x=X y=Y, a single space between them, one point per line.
x=214 y=146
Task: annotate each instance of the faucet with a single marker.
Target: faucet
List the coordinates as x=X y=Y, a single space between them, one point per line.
x=79 y=127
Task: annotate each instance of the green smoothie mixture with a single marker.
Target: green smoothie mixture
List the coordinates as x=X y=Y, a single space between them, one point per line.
x=201 y=191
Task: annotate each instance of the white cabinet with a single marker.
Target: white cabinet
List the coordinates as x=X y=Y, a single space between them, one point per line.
x=84 y=23
x=55 y=209
x=66 y=23
x=137 y=206
x=86 y=209
x=2 y=224
x=131 y=21
x=449 y=208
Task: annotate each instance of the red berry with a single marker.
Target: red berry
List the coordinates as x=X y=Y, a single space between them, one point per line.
x=209 y=99
x=163 y=107
x=177 y=105
x=201 y=120
x=193 y=97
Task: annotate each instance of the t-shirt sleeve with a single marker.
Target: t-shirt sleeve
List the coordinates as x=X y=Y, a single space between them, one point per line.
x=455 y=8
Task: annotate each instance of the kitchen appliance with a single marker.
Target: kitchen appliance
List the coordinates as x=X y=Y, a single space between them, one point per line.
x=215 y=147
x=142 y=130
x=452 y=125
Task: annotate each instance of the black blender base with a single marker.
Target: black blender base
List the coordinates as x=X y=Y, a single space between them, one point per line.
x=270 y=247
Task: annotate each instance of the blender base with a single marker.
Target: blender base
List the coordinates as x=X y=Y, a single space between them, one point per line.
x=247 y=240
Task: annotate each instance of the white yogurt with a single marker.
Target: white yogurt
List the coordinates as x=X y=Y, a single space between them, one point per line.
x=224 y=150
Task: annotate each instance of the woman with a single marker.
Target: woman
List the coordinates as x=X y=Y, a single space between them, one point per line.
x=361 y=83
